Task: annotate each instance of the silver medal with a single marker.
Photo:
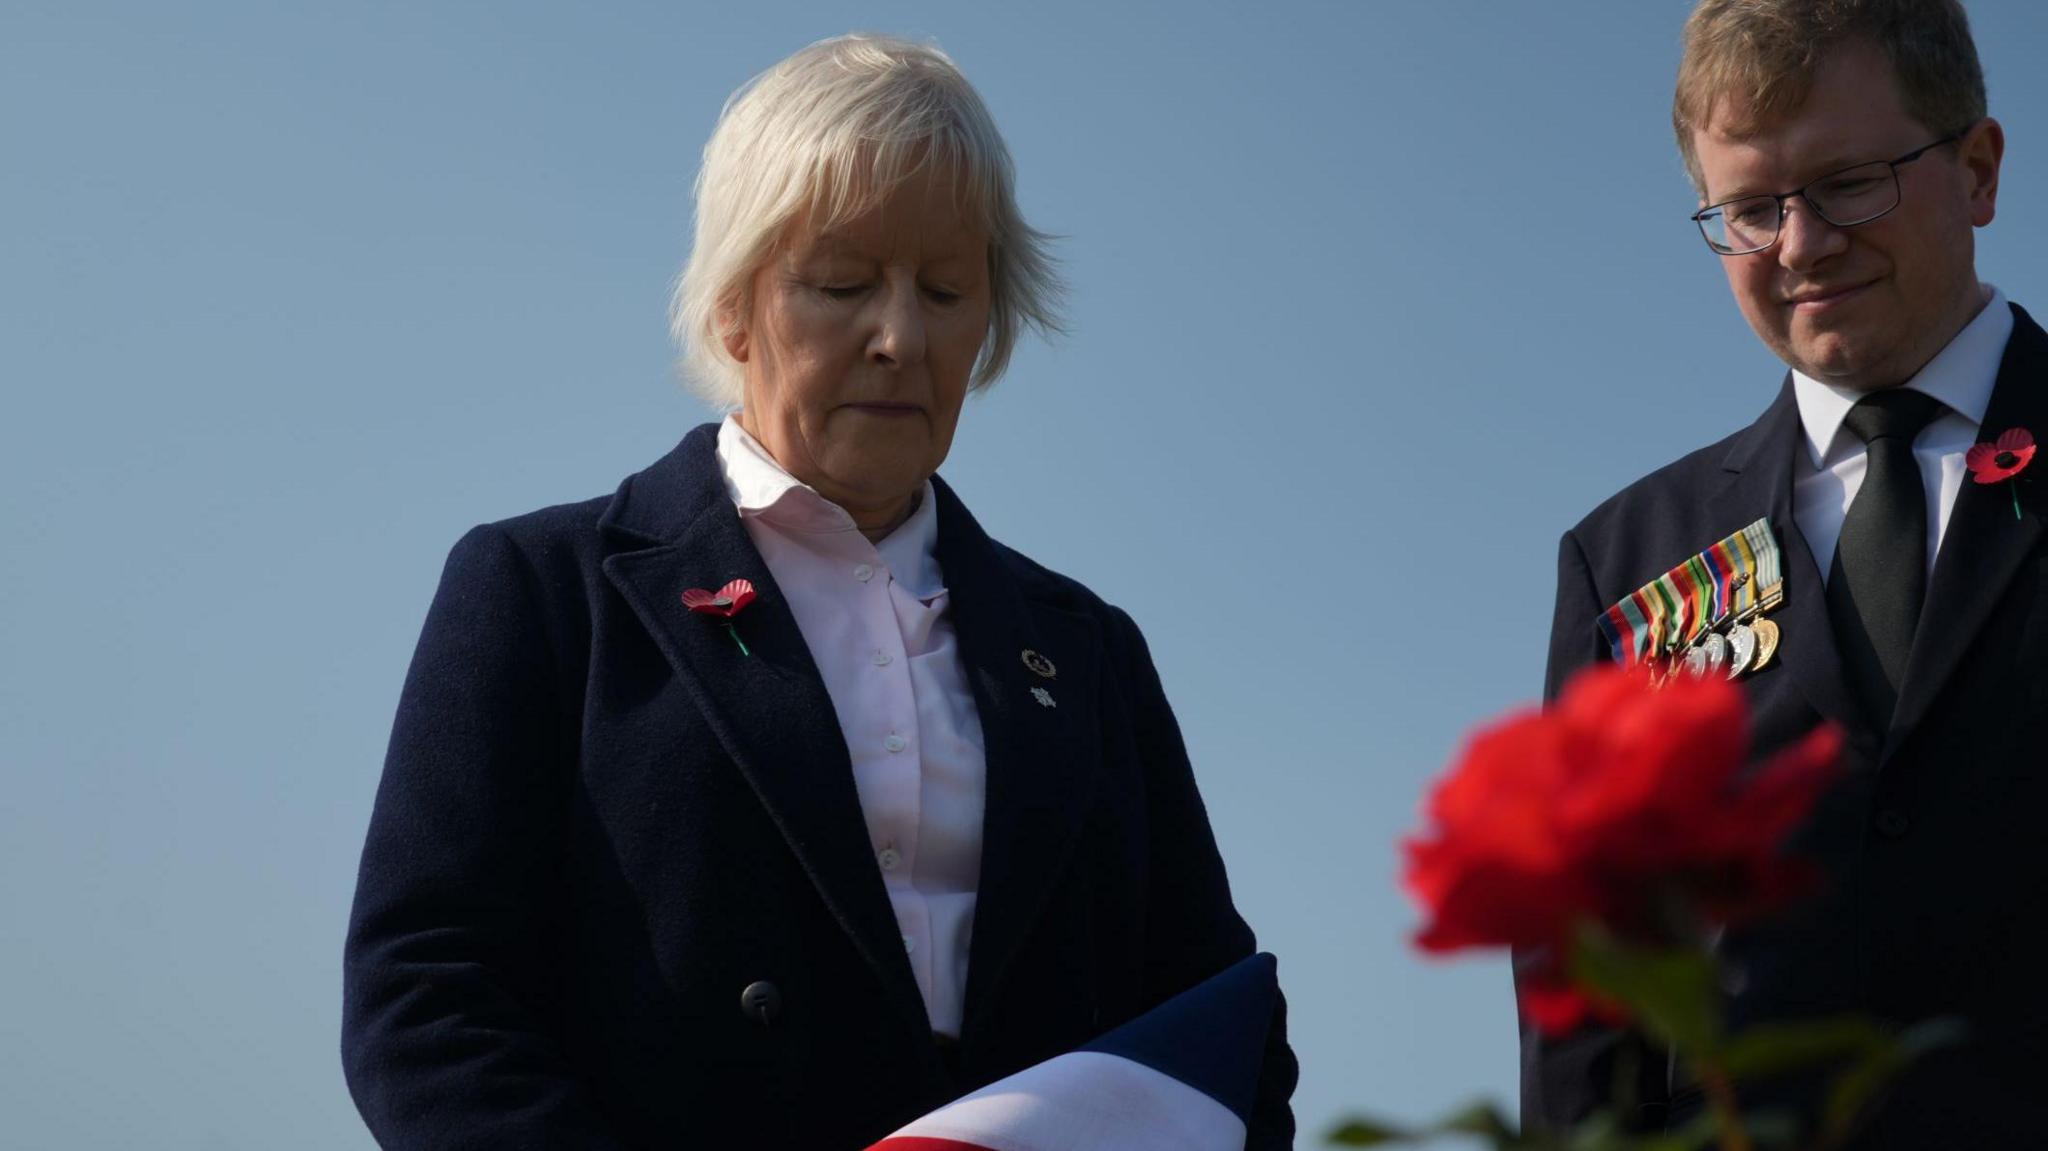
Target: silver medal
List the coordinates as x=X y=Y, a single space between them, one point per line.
x=1696 y=662
x=1716 y=649
x=1741 y=649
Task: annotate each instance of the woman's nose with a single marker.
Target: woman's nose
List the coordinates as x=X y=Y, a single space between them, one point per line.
x=899 y=336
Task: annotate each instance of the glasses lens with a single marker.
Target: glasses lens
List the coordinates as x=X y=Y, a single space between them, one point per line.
x=1854 y=196
x=1741 y=225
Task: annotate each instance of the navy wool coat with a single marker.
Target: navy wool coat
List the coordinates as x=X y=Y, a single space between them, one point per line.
x=600 y=824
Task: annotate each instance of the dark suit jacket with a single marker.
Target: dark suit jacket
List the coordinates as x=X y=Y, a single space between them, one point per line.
x=599 y=823
x=1937 y=902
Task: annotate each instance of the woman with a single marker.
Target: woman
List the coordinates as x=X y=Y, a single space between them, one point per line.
x=655 y=863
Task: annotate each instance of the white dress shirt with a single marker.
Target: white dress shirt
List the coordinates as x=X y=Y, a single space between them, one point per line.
x=874 y=617
x=1830 y=471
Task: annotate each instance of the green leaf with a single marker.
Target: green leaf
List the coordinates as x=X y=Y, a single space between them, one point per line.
x=1932 y=1035
x=1692 y=1137
x=1357 y=1132
x=1773 y=1129
x=1600 y=1131
x=1481 y=1119
x=1852 y=1091
x=1765 y=1050
x=1674 y=995
x=1603 y=1132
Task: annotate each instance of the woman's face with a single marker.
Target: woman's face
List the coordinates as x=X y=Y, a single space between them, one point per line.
x=858 y=347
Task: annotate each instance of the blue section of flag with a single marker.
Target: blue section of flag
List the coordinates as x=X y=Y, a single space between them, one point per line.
x=1211 y=1037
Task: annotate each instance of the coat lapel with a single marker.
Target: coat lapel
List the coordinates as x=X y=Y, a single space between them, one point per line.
x=1984 y=546
x=769 y=709
x=1760 y=467
x=1041 y=759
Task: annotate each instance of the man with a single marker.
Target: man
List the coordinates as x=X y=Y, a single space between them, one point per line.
x=1843 y=159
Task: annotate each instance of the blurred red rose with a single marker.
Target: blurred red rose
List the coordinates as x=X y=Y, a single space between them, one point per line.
x=1621 y=806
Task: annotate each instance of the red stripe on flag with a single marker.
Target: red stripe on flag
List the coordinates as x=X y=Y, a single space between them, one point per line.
x=925 y=1143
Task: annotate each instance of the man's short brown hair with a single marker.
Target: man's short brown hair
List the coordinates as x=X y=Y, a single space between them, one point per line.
x=1753 y=62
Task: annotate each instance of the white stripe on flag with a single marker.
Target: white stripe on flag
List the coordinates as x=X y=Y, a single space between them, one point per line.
x=1085 y=1101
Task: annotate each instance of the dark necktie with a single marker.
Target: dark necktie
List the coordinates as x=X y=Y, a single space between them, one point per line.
x=1879 y=577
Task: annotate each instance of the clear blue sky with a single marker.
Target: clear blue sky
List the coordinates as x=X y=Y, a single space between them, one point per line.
x=292 y=296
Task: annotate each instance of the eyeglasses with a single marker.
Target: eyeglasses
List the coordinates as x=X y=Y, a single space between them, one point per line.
x=1846 y=198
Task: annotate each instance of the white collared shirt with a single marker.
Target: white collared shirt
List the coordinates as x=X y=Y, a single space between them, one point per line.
x=874 y=617
x=1830 y=472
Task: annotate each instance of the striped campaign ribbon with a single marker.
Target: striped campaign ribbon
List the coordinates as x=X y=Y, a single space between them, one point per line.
x=1734 y=580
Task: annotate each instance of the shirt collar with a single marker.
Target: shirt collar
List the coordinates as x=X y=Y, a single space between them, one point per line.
x=760 y=488
x=1961 y=376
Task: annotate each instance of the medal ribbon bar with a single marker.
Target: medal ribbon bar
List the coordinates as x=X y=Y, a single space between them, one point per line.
x=1733 y=581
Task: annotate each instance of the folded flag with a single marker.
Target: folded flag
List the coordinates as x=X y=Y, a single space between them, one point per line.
x=1180 y=1077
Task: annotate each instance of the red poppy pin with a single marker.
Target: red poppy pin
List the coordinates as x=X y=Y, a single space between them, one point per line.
x=2003 y=459
x=723 y=604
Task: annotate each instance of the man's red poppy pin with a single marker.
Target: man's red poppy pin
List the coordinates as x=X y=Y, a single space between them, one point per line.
x=2002 y=459
x=723 y=604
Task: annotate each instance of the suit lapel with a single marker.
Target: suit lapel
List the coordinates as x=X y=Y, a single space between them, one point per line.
x=1041 y=758
x=1760 y=464
x=769 y=709
x=1984 y=546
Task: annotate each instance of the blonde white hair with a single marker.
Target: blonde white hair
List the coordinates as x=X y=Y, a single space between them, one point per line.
x=827 y=134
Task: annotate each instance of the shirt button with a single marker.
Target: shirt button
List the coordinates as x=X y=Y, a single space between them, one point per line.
x=883 y=658
x=888 y=858
x=909 y=945
x=895 y=743
x=864 y=573
x=1893 y=823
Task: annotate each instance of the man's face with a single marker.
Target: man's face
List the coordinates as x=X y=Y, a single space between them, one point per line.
x=1863 y=306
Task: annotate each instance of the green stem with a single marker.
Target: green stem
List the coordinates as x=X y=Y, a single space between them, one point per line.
x=2015 y=486
x=735 y=634
x=1728 y=1129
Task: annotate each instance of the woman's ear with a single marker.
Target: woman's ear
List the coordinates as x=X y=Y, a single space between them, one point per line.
x=732 y=330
